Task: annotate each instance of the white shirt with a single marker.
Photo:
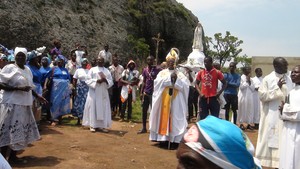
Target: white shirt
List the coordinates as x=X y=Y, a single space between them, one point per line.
x=106 y=55
x=116 y=72
x=81 y=74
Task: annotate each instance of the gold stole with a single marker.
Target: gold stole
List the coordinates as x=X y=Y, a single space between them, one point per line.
x=165 y=111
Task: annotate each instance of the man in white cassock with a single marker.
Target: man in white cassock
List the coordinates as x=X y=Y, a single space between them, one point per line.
x=245 y=99
x=167 y=121
x=97 y=111
x=257 y=80
x=272 y=92
x=290 y=145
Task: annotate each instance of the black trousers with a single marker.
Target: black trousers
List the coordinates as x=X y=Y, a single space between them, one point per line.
x=147 y=101
x=231 y=101
x=115 y=99
x=209 y=105
x=128 y=103
x=192 y=102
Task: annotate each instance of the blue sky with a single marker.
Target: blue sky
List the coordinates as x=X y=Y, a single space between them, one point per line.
x=267 y=27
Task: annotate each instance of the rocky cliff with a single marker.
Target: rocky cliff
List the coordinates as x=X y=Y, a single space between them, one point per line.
x=33 y=23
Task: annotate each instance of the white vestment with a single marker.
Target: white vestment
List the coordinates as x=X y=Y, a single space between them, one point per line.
x=269 y=134
x=97 y=111
x=290 y=145
x=179 y=107
x=245 y=101
x=257 y=82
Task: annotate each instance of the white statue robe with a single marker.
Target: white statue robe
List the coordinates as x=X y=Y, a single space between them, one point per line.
x=256 y=101
x=97 y=111
x=290 y=145
x=245 y=101
x=178 y=107
x=269 y=134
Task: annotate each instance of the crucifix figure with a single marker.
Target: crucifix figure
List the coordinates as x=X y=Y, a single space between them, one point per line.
x=158 y=40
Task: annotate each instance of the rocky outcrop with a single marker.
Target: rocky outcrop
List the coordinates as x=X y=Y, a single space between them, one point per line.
x=33 y=23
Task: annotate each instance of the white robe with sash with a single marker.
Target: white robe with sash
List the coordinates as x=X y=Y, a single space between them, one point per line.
x=97 y=111
x=290 y=145
x=179 y=107
x=269 y=134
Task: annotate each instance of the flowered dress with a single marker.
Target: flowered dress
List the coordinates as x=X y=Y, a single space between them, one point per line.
x=81 y=89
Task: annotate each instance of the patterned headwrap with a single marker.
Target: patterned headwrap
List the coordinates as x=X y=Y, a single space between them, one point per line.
x=173 y=54
x=31 y=55
x=223 y=143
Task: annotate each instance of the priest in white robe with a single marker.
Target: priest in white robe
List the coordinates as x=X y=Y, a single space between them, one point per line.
x=97 y=111
x=290 y=145
x=272 y=92
x=167 y=121
x=245 y=100
x=257 y=80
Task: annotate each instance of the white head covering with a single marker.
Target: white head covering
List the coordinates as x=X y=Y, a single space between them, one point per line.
x=20 y=49
x=40 y=50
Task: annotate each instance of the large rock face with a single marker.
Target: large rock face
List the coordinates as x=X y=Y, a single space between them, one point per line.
x=33 y=23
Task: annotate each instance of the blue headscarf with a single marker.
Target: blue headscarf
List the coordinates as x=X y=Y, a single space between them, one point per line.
x=223 y=143
x=48 y=60
x=61 y=57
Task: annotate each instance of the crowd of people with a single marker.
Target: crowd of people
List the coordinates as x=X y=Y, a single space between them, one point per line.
x=38 y=82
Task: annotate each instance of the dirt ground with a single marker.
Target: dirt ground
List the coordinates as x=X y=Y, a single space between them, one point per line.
x=70 y=146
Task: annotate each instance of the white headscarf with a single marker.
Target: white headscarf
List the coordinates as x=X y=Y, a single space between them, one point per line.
x=20 y=49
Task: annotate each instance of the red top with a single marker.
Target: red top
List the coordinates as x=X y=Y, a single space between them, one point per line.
x=209 y=81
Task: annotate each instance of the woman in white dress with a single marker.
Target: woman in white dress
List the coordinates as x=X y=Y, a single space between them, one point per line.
x=17 y=123
x=80 y=90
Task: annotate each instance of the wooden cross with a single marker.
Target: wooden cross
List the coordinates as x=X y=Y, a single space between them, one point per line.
x=158 y=40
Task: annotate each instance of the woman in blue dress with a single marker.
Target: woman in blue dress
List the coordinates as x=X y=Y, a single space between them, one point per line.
x=45 y=68
x=81 y=89
x=34 y=66
x=60 y=91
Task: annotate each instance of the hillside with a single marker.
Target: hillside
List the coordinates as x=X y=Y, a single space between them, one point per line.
x=33 y=23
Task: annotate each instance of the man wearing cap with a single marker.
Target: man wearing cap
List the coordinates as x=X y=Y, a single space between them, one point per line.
x=209 y=144
x=167 y=121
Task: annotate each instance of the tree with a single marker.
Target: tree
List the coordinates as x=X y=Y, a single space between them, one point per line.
x=139 y=46
x=223 y=48
x=244 y=60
